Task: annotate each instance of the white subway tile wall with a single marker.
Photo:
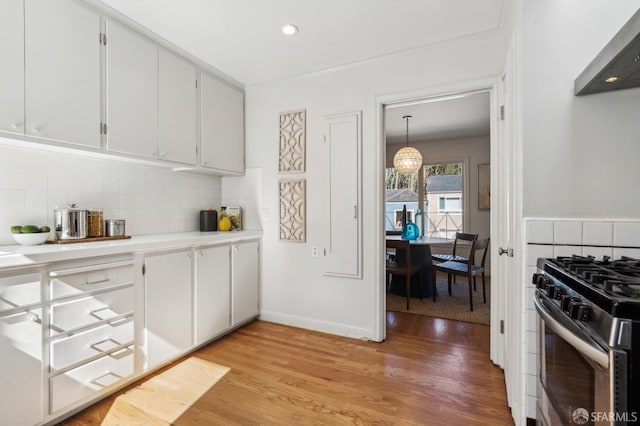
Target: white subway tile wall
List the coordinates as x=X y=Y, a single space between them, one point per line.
x=246 y=192
x=151 y=199
x=552 y=238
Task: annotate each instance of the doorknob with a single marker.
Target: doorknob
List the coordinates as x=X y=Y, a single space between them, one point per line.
x=507 y=251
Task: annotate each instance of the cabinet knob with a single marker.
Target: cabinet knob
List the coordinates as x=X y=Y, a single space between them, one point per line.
x=163 y=154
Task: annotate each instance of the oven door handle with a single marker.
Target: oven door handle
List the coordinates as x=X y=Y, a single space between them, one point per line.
x=588 y=349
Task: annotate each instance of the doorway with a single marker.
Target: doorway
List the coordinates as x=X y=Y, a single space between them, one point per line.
x=453 y=134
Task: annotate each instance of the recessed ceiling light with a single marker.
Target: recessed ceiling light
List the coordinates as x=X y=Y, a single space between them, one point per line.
x=289 y=29
x=611 y=79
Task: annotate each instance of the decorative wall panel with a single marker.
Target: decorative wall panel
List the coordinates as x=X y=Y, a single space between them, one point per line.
x=292 y=141
x=293 y=223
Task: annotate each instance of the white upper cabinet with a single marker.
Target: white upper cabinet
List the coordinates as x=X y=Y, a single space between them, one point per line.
x=62 y=71
x=222 y=126
x=177 y=109
x=12 y=70
x=132 y=93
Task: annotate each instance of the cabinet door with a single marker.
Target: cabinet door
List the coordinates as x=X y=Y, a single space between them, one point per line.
x=12 y=70
x=21 y=368
x=63 y=68
x=245 y=281
x=132 y=93
x=212 y=287
x=222 y=126
x=168 y=311
x=177 y=109
x=343 y=140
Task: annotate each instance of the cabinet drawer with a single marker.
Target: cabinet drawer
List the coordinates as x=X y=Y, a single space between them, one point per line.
x=89 y=379
x=81 y=346
x=87 y=310
x=19 y=290
x=68 y=282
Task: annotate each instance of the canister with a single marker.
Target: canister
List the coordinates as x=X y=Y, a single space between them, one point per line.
x=114 y=227
x=70 y=222
x=208 y=220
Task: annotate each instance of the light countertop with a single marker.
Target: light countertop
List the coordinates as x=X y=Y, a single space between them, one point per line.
x=19 y=256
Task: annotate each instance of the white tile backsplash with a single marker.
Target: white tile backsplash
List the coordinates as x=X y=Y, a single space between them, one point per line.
x=567 y=232
x=534 y=252
x=626 y=234
x=151 y=199
x=566 y=250
x=539 y=231
x=597 y=233
x=597 y=252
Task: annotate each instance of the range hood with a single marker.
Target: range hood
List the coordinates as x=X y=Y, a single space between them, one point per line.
x=617 y=66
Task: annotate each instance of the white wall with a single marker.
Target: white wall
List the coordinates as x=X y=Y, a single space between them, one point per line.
x=294 y=288
x=33 y=181
x=580 y=153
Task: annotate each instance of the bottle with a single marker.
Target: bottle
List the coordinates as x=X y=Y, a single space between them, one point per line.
x=410 y=231
x=404 y=215
x=419 y=222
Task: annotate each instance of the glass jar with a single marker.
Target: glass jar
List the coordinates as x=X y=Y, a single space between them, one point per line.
x=95 y=223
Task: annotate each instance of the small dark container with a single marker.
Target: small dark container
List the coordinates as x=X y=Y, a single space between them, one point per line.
x=208 y=220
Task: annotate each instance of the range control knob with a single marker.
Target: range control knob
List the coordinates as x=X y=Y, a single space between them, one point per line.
x=579 y=311
x=550 y=289
x=541 y=281
x=566 y=300
x=556 y=292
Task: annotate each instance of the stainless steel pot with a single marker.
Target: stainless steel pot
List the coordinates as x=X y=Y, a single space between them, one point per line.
x=70 y=223
x=114 y=227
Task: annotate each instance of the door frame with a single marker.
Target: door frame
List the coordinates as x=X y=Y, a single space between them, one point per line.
x=443 y=92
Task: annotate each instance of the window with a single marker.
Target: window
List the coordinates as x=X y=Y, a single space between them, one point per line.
x=450 y=205
x=442 y=198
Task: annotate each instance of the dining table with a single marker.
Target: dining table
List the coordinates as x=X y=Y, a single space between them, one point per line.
x=420 y=254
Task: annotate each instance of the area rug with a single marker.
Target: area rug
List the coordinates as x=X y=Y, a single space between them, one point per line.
x=454 y=307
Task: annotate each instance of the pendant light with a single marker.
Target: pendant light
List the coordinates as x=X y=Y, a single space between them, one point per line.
x=407 y=160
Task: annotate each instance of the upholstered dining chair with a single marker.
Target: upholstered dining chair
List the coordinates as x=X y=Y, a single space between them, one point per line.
x=402 y=265
x=468 y=269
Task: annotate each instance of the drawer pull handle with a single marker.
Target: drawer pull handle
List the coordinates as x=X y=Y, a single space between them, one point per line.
x=119 y=321
x=103 y=313
x=104 y=280
x=106 y=379
x=97 y=346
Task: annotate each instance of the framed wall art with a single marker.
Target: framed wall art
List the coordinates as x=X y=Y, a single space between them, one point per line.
x=293 y=221
x=292 y=143
x=484 y=186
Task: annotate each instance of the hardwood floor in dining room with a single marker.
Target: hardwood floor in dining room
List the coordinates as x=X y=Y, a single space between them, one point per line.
x=429 y=371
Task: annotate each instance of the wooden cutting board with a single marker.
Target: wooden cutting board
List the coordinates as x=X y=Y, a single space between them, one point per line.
x=88 y=239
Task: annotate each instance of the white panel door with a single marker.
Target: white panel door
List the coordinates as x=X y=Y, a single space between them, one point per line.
x=12 y=70
x=132 y=93
x=212 y=292
x=177 y=140
x=222 y=126
x=168 y=309
x=343 y=141
x=245 y=281
x=62 y=74
x=21 y=368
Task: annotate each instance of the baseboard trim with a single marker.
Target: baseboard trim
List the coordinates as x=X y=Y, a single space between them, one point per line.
x=317 y=325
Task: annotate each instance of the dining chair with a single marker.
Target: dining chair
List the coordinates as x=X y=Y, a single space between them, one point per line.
x=467 y=239
x=460 y=236
x=402 y=264
x=468 y=269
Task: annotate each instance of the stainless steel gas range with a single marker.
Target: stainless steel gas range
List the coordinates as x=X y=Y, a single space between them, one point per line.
x=589 y=341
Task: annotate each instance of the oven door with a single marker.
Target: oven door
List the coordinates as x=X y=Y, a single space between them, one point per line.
x=574 y=370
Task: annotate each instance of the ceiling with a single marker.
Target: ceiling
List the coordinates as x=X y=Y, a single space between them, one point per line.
x=243 y=40
x=442 y=118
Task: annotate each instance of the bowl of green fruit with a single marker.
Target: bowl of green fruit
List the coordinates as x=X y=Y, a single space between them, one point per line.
x=30 y=235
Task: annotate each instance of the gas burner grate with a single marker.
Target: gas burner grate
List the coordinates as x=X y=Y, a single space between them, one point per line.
x=622 y=289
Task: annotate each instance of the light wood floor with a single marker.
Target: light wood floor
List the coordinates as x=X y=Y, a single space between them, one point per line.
x=429 y=371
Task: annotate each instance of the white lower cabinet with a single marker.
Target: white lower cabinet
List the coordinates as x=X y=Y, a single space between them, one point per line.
x=91 y=330
x=212 y=292
x=168 y=306
x=21 y=368
x=91 y=378
x=245 y=281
